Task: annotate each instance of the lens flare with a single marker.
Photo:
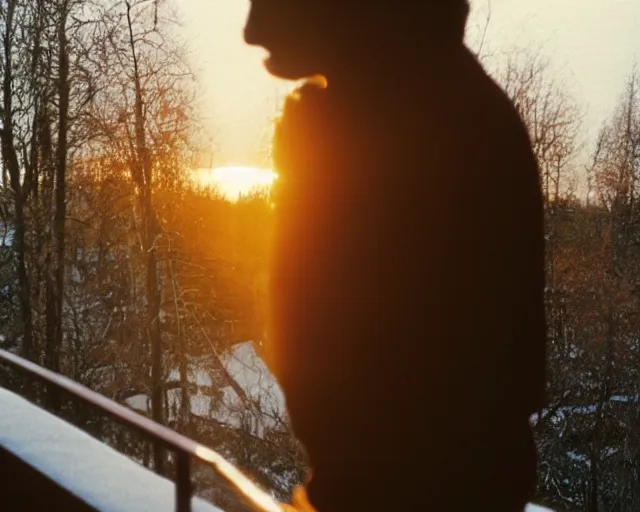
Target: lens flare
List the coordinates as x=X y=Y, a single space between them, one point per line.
x=235 y=181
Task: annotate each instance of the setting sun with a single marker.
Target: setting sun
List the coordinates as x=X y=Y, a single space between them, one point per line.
x=234 y=181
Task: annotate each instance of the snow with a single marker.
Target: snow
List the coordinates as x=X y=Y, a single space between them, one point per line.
x=561 y=413
x=200 y=404
x=250 y=373
x=248 y=369
x=196 y=376
x=138 y=403
x=105 y=479
x=7 y=235
x=536 y=508
x=624 y=399
x=578 y=457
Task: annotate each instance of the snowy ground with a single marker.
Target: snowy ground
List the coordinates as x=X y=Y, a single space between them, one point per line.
x=250 y=373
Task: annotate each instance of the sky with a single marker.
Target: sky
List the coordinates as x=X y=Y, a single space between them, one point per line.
x=592 y=45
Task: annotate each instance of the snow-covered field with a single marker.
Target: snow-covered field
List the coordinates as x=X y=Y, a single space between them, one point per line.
x=250 y=374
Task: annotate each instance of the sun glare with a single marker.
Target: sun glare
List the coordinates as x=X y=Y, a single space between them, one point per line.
x=234 y=181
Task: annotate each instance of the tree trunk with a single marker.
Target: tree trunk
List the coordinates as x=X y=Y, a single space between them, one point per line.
x=56 y=295
x=185 y=402
x=143 y=174
x=20 y=189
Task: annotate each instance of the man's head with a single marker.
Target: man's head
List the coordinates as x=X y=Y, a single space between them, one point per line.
x=291 y=31
x=313 y=37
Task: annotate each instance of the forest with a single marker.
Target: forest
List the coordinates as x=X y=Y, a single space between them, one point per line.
x=121 y=272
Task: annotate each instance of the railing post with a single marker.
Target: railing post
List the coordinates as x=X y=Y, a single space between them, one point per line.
x=183 y=482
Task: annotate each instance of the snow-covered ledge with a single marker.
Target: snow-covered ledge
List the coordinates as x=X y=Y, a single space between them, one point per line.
x=82 y=467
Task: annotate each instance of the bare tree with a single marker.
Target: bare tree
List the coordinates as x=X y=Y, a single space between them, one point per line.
x=17 y=97
x=552 y=118
x=478 y=37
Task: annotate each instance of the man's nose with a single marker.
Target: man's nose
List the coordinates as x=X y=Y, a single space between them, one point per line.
x=249 y=35
x=254 y=28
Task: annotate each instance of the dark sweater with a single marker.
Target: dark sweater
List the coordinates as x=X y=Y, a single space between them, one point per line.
x=407 y=322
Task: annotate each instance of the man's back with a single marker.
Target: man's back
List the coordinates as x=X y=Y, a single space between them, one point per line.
x=407 y=315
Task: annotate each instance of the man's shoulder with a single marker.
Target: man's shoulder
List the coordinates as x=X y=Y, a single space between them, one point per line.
x=488 y=101
x=491 y=122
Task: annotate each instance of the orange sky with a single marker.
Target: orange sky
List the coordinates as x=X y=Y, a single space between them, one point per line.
x=241 y=97
x=592 y=44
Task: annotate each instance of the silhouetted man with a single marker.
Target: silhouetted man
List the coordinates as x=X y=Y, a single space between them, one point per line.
x=407 y=319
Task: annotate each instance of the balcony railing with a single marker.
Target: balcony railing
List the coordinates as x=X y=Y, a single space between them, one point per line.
x=185 y=449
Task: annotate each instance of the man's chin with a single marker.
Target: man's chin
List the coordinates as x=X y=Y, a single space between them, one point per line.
x=286 y=71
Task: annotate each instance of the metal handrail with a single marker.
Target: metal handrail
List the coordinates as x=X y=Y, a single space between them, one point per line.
x=183 y=447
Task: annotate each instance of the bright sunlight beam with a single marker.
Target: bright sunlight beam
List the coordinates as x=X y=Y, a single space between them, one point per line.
x=234 y=181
